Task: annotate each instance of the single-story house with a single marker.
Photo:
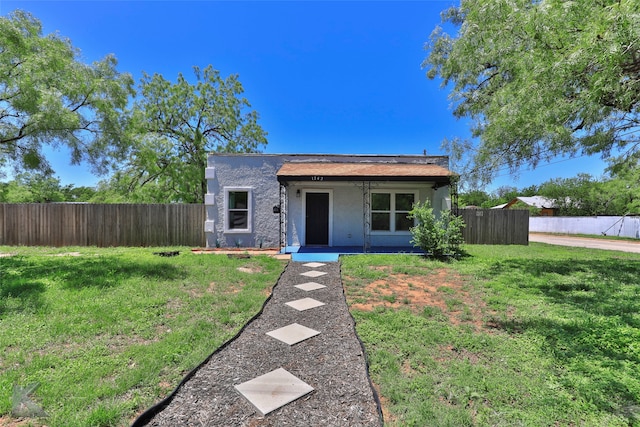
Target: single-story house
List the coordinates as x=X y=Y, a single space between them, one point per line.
x=547 y=206
x=301 y=200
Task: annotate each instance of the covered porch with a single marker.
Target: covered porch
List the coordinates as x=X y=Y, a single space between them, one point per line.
x=350 y=208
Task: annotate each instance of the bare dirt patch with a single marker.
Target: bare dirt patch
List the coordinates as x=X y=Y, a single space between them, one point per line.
x=384 y=405
x=68 y=254
x=250 y=269
x=214 y=288
x=449 y=352
x=7 y=421
x=448 y=291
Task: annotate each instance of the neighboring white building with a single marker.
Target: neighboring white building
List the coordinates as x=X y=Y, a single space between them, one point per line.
x=293 y=200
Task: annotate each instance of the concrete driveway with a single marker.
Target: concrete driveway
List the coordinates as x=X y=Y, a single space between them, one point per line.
x=585 y=242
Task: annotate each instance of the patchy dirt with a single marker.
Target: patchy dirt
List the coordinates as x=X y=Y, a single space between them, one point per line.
x=251 y=268
x=447 y=291
x=450 y=352
x=7 y=421
x=384 y=405
x=68 y=254
x=232 y=289
x=440 y=292
x=213 y=290
x=7 y=254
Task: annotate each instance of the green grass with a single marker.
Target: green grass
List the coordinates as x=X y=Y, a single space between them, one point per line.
x=537 y=335
x=110 y=332
x=543 y=336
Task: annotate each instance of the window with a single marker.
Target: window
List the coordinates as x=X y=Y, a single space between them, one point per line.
x=390 y=211
x=381 y=212
x=238 y=210
x=404 y=203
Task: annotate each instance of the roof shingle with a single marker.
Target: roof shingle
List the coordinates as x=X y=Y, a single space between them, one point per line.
x=362 y=170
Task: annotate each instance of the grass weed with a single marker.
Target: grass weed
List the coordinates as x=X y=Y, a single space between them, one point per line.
x=109 y=332
x=553 y=340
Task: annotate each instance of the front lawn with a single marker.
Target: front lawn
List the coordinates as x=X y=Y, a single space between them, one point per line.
x=537 y=335
x=509 y=335
x=106 y=333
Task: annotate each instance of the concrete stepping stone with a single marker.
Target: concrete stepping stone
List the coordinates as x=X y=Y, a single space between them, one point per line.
x=314 y=264
x=313 y=273
x=304 y=304
x=293 y=333
x=273 y=390
x=310 y=286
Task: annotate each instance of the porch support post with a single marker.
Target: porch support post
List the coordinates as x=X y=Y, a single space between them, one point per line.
x=366 y=216
x=453 y=192
x=283 y=216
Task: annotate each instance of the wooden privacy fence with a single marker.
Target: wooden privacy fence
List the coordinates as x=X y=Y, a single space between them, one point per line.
x=84 y=224
x=496 y=226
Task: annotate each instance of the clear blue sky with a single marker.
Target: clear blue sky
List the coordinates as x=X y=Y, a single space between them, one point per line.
x=325 y=77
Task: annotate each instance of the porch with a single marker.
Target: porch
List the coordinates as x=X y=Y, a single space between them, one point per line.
x=351 y=208
x=332 y=253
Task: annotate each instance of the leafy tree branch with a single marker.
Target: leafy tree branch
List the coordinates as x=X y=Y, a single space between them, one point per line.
x=174 y=126
x=48 y=97
x=539 y=79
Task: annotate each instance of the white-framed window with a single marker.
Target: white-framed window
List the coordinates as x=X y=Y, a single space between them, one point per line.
x=390 y=210
x=237 y=210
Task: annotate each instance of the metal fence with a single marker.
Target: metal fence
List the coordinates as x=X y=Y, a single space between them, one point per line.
x=103 y=225
x=496 y=226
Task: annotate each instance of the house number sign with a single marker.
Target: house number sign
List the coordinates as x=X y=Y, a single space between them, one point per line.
x=317 y=178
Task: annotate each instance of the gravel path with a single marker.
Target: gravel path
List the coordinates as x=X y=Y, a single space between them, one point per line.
x=333 y=363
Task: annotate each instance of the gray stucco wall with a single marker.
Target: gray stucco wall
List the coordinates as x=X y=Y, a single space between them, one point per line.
x=258 y=172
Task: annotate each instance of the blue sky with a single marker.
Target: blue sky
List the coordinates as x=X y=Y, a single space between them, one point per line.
x=325 y=77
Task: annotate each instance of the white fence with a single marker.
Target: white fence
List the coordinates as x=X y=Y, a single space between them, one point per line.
x=624 y=226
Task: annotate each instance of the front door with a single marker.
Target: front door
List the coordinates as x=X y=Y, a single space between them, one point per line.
x=317 y=219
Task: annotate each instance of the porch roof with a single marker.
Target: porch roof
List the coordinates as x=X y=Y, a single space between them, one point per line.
x=363 y=171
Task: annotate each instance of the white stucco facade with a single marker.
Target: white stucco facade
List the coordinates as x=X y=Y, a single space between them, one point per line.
x=277 y=212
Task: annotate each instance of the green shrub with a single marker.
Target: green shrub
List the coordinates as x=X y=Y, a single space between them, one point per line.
x=438 y=237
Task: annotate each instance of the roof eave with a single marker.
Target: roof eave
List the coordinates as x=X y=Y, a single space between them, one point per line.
x=438 y=179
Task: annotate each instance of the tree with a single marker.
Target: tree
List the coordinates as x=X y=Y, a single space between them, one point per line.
x=49 y=97
x=625 y=183
x=174 y=127
x=583 y=195
x=540 y=79
x=32 y=187
x=77 y=194
x=28 y=187
x=473 y=198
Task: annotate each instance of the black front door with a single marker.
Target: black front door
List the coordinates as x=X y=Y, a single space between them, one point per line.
x=317 y=219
